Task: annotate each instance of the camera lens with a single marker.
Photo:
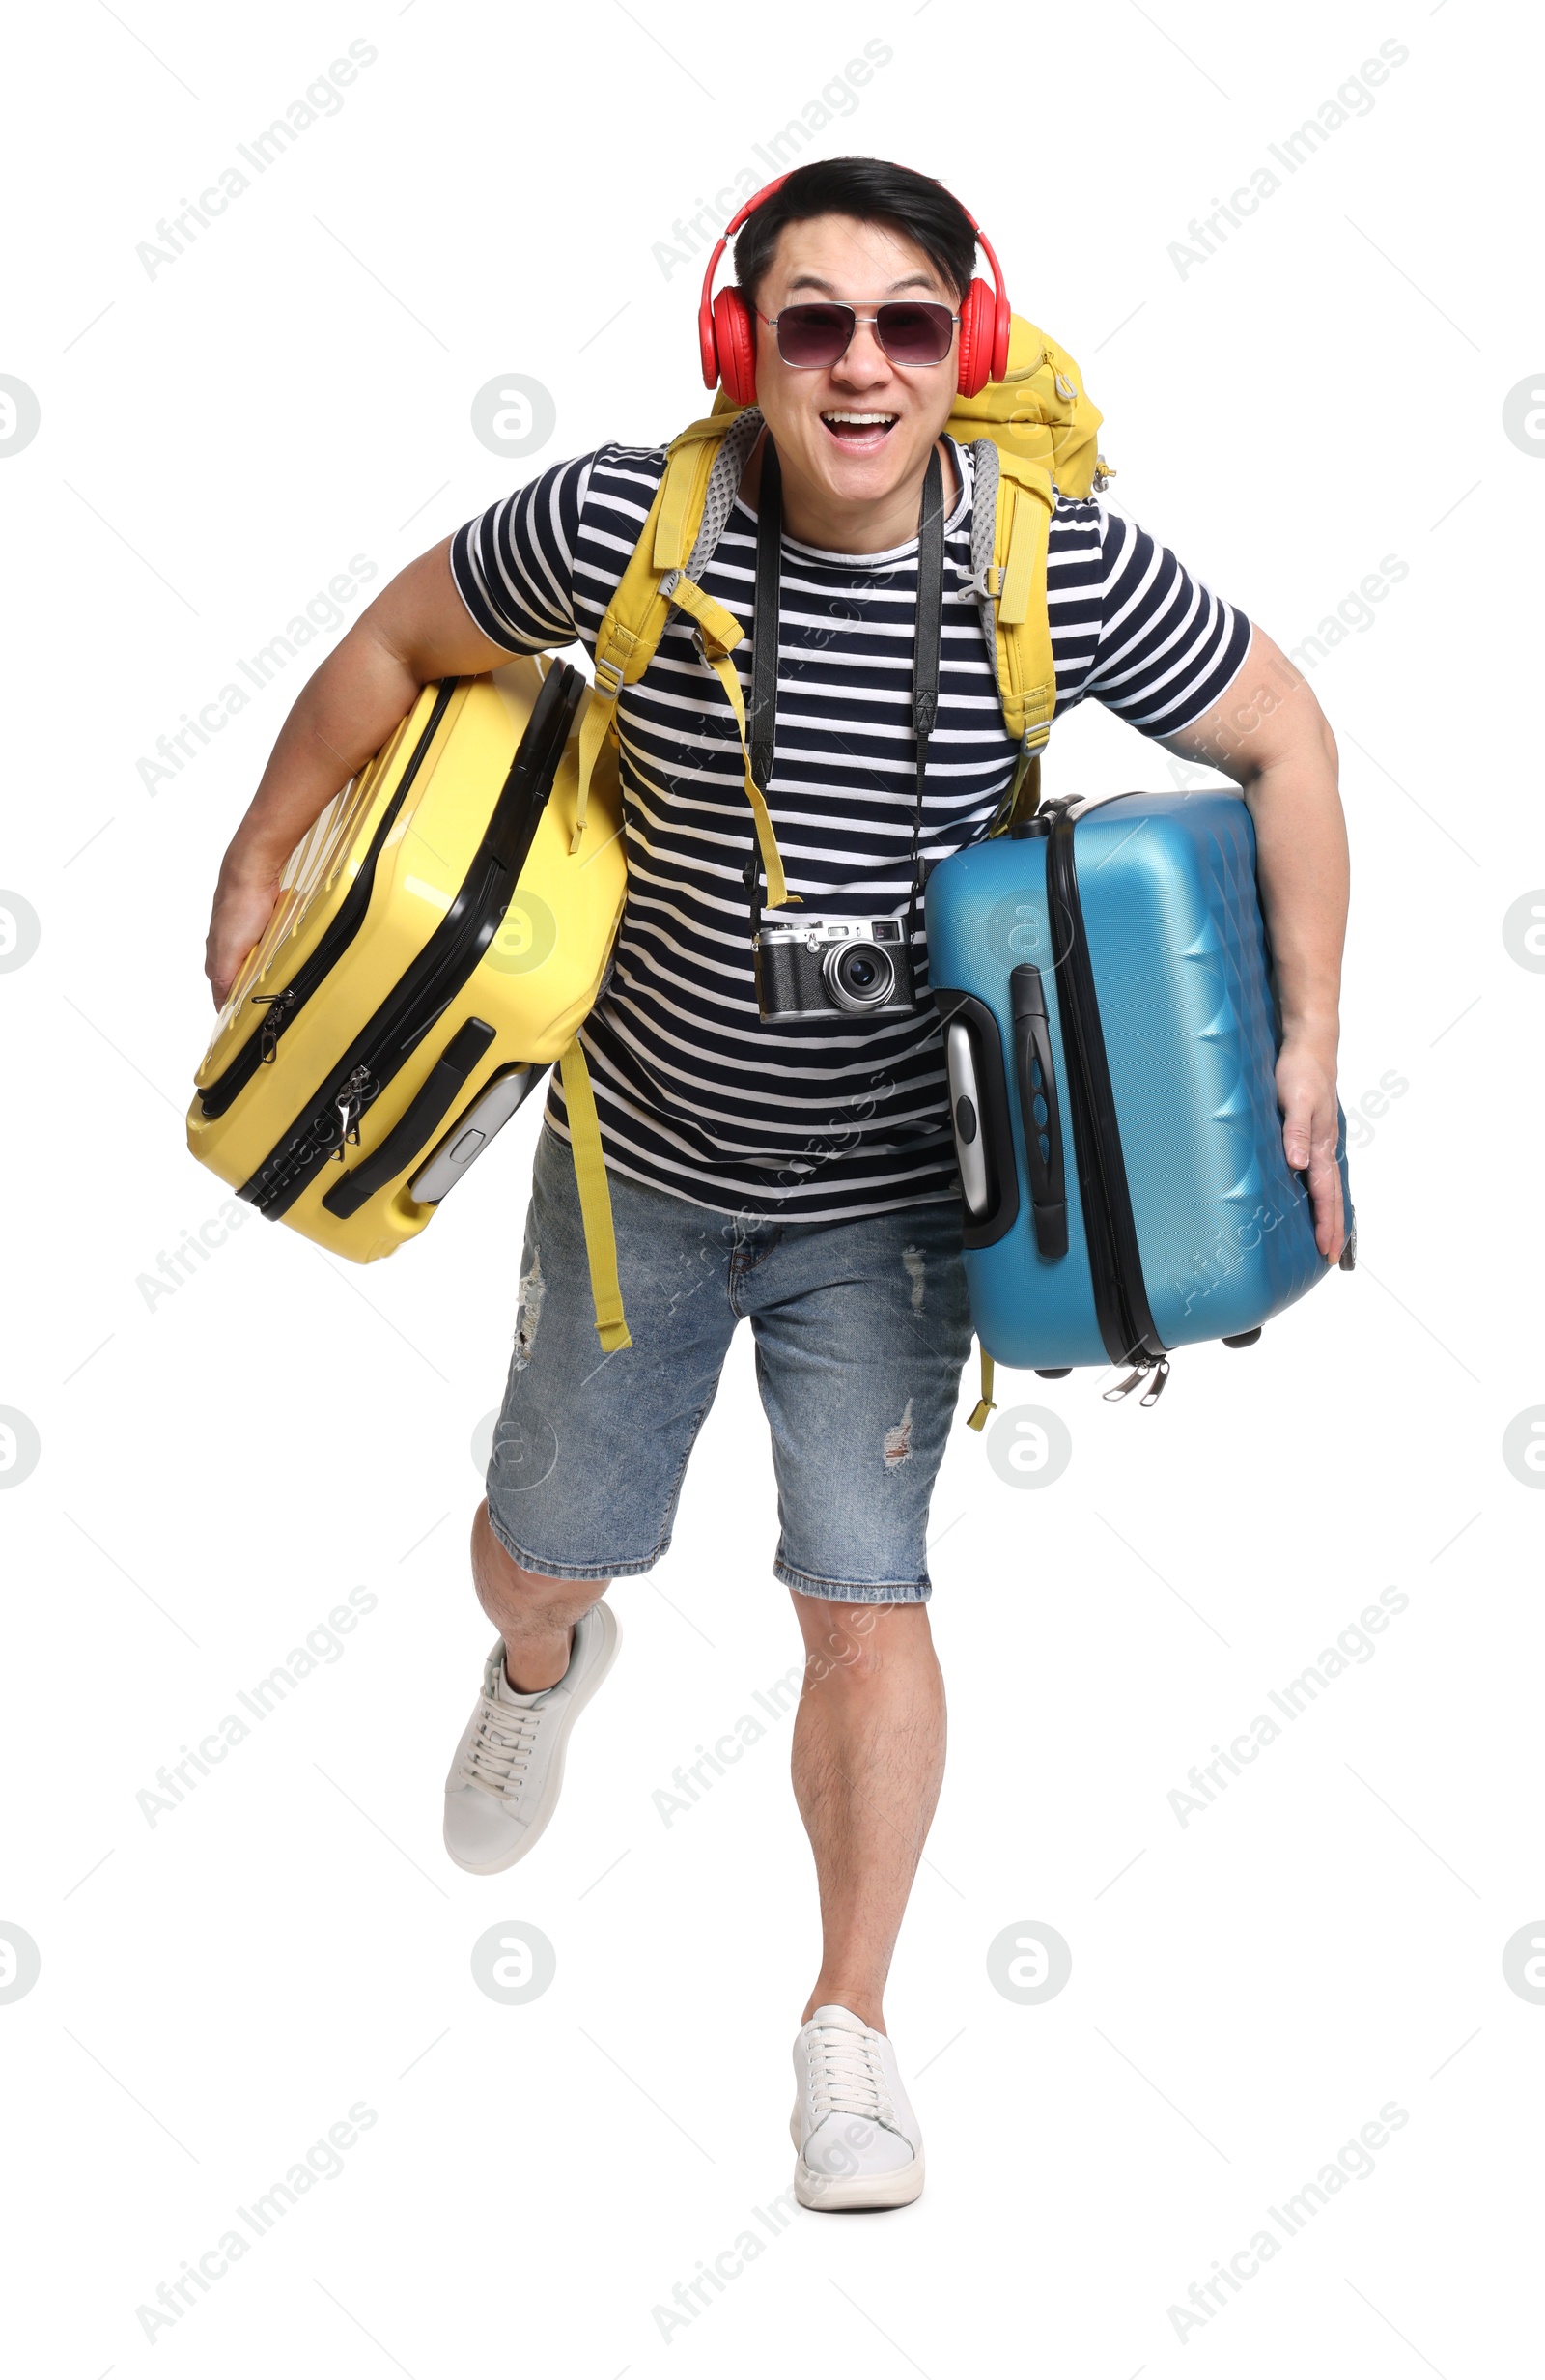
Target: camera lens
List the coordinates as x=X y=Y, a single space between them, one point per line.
x=859 y=974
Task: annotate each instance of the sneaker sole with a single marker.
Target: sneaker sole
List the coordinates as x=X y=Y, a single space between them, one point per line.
x=555 y=1786
x=831 y=2193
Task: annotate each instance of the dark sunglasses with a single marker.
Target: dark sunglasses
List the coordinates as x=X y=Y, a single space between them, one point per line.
x=910 y=334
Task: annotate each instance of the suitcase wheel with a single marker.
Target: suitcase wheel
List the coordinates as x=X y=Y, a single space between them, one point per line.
x=1244 y=1338
x=1061 y=1374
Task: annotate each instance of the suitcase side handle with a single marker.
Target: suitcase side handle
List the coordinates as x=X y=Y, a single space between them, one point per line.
x=978 y=1108
x=407 y=1137
x=1040 y=1111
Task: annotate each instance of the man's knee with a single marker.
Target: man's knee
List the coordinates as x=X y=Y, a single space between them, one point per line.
x=494 y=1567
x=848 y=1647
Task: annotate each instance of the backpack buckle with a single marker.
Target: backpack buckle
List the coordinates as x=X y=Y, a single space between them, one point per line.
x=984 y=585
x=608 y=679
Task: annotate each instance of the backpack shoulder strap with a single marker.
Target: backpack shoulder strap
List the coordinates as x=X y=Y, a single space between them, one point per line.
x=635 y=619
x=1014 y=500
x=1033 y=435
x=702 y=472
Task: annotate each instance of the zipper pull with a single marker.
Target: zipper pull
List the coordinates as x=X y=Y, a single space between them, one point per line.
x=1134 y=1380
x=272 y=1024
x=350 y=1103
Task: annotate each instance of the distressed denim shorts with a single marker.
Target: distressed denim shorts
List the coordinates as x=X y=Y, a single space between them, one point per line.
x=861 y=1330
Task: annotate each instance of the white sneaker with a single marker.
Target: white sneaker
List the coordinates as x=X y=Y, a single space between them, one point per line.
x=508 y=1772
x=853 y=2124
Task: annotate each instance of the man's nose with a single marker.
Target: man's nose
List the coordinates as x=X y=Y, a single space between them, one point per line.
x=864 y=363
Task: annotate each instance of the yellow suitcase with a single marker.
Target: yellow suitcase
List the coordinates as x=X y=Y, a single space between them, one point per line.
x=436 y=946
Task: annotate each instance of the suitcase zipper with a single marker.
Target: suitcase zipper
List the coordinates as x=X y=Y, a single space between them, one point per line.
x=442 y=968
x=1116 y=1267
x=261 y=1047
x=271 y=1027
x=356 y=1094
x=1124 y=1388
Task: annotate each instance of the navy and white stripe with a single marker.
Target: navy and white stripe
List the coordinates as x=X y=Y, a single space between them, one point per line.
x=696 y=1095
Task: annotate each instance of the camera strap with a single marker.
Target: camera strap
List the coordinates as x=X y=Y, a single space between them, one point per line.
x=925 y=659
x=762 y=711
x=767 y=626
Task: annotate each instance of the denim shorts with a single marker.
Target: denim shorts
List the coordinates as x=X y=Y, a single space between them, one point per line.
x=861 y=1329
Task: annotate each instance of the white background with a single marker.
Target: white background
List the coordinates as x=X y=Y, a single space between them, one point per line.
x=218 y=1468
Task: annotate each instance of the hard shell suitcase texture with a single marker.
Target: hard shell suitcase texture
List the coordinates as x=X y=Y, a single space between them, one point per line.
x=1112 y=1034
x=436 y=943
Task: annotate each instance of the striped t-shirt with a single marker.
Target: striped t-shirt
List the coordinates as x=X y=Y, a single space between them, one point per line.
x=812 y=1119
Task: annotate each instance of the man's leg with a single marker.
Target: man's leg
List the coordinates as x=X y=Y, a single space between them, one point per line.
x=534 y=1615
x=861 y=1331
x=588 y=1454
x=589 y=1450
x=868 y=1762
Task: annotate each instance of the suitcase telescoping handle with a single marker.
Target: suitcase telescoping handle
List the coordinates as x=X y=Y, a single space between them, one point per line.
x=1040 y=1112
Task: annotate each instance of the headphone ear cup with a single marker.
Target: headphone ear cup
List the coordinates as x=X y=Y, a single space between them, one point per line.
x=734 y=338
x=978 y=316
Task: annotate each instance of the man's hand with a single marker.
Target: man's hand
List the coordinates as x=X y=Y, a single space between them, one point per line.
x=1306 y=1092
x=244 y=903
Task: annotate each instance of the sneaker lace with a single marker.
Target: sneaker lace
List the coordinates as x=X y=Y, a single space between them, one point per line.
x=500 y=1749
x=846 y=2076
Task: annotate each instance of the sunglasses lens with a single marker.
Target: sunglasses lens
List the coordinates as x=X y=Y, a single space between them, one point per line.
x=813 y=337
x=913 y=333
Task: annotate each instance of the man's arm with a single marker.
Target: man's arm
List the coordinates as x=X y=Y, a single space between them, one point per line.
x=1270 y=735
x=416 y=628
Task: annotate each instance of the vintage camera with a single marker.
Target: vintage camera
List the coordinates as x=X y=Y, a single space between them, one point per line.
x=852 y=966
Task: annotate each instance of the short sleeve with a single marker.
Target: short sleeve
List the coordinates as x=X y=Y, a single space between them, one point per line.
x=1167 y=645
x=514 y=565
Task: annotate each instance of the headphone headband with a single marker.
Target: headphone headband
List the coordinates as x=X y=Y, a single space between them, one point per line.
x=706 y=339
x=706 y=327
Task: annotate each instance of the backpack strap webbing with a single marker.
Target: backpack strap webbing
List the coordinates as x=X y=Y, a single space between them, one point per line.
x=719 y=632
x=977 y=1419
x=595 y=1199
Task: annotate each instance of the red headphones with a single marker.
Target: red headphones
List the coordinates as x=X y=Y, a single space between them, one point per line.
x=727 y=327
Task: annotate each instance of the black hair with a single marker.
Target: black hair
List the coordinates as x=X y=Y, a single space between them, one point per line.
x=872 y=191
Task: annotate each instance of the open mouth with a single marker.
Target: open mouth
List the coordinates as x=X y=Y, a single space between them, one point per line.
x=862 y=431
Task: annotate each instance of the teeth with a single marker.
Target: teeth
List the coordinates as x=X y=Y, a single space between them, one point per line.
x=861 y=418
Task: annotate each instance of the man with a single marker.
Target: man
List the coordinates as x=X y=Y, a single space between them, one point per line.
x=797 y=1170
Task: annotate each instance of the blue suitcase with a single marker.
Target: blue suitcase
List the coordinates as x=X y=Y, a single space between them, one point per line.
x=1103 y=971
